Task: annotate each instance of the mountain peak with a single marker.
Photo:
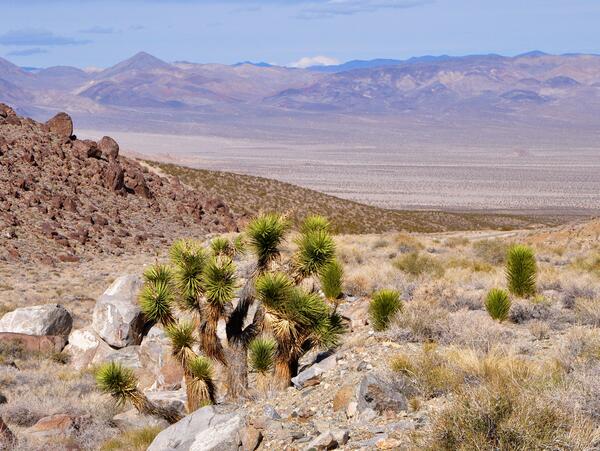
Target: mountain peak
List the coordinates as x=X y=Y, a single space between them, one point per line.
x=141 y=61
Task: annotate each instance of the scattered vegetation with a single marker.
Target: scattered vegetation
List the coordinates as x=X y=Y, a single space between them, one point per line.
x=417 y=264
x=134 y=440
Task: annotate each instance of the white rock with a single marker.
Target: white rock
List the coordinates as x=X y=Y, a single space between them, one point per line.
x=117 y=318
x=207 y=429
x=82 y=347
x=169 y=399
x=48 y=319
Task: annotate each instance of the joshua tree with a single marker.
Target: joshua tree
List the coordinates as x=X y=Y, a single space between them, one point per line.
x=121 y=383
x=521 y=271
x=261 y=352
x=298 y=321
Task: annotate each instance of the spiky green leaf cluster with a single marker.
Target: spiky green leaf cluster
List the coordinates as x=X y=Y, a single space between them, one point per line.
x=158 y=273
x=265 y=235
x=521 y=271
x=384 y=306
x=497 y=304
x=222 y=246
x=262 y=354
x=316 y=249
x=219 y=281
x=201 y=383
x=331 y=278
x=156 y=302
x=181 y=336
x=118 y=381
x=273 y=289
x=315 y=223
x=189 y=259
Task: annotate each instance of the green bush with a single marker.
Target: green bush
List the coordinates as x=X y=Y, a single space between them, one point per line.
x=262 y=354
x=497 y=303
x=521 y=271
x=491 y=251
x=384 y=305
x=331 y=280
x=416 y=264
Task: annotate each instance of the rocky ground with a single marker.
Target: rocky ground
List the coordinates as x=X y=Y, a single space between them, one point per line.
x=63 y=199
x=377 y=390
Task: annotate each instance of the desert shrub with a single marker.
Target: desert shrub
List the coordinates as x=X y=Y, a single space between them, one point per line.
x=406 y=243
x=456 y=241
x=416 y=264
x=491 y=251
x=384 y=306
x=421 y=321
x=539 y=329
x=580 y=346
x=135 y=440
x=471 y=265
x=590 y=264
x=573 y=292
x=587 y=311
x=522 y=311
x=379 y=243
x=497 y=304
x=521 y=271
x=483 y=333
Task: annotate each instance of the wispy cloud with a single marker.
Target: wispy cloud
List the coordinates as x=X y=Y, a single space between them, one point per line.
x=330 y=8
x=27 y=52
x=29 y=37
x=309 y=61
x=97 y=29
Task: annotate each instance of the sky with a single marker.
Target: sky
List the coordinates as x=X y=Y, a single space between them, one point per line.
x=100 y=33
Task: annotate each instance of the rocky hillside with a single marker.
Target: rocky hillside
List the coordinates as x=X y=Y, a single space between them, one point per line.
x=62 y=198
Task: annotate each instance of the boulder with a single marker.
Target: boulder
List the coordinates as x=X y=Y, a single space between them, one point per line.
x=137 y=182
x=48 y=319
x=82 y=347
x=86 y=149
x=156 y=357
x=128 y=357
x=210 y=428
x=132 y=419
x=109 y=148
x=114 y=177
x=377 y=395
x=117 y=318
x=62 y=425
x=312 y=375
x=61 y=125
x=329 y=439
x=169 y=399
x=35 y=343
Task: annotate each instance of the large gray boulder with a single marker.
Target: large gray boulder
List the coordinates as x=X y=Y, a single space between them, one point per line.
x=210 y=428
x=156 y=356
x=117 y=318
x=49 y=319
x=82 y=347
x=132 y=419
x=376 y=395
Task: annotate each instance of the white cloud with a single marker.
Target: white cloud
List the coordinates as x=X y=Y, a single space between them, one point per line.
x=319 y=60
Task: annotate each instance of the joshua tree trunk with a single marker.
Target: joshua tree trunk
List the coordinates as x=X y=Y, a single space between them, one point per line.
x=237 y=371
x=285 y=369
x=209 y=341
x=147 y=407
x=192 y=402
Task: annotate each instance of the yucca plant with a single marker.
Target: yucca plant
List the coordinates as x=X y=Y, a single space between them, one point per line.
x=298 y=321
x=201 y=384
x=497 y=304
x=121 y=384
x=384 y=306
x=261 y=353
x=158 y=273
x=314 y=223
x=156 y=300
x=265 y=235
x=521 y=271
x=188 y=259
x=219 y=282
x=331 y=278
x=316 y=249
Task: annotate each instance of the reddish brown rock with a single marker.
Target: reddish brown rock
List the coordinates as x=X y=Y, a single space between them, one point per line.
x=54 y=425
x=6 y=111
x=114 y=177
x=61 y=125
x=86 y=149
x=109 y=148
x=137 y=183
x=35 y=343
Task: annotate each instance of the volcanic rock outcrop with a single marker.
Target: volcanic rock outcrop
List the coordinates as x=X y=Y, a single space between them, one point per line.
x=62 y=199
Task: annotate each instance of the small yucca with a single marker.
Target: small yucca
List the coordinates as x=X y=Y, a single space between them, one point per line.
x=521 y=271
x=262 y=354
x=273 y=289
x=188 y=259
x=384 y=306
x=181 y=336
x=156 y=300
x=497 y=303
x=315 y=222
x=219 y=281
x=201 y=383
x=331 y=278
x=316 y=249
x=221 y=246
x=265 y=235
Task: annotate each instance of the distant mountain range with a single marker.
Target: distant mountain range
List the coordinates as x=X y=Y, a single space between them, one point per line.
x=550 y=88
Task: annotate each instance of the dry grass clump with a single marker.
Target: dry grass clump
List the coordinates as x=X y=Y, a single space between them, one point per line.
x=417 y=264
x=590 y=263
x=491 y=251
x=587 y=311
x=135 y=440
x=421 y=321
x=473 y=265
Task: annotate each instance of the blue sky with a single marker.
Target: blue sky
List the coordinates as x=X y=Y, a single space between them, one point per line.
x=100 y=33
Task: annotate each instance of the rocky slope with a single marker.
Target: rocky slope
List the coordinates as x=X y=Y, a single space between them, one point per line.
x=62 y=198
